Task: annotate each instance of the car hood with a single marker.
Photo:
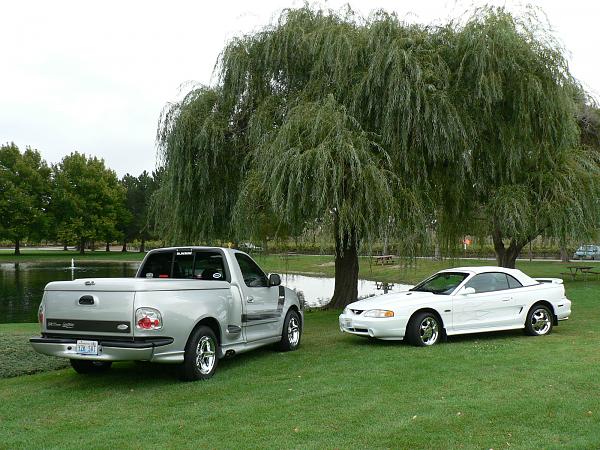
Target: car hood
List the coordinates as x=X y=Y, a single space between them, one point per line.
x=391 y=301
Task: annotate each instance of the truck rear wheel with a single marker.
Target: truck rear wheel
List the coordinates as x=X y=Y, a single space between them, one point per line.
x=86 y=366
x=291 y=333
x=200 y=359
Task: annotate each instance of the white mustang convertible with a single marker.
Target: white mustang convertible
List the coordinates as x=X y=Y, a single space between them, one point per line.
x=459 y=301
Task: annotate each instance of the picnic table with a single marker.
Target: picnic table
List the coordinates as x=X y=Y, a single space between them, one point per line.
x=580 y=270
x=384 y=259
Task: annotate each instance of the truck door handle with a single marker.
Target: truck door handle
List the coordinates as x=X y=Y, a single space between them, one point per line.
x=250 y=299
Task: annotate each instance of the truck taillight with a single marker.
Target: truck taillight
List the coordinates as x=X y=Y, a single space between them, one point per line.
x=41 y=314
x=148 y=319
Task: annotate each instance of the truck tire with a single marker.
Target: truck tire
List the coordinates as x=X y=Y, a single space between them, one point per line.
x=200 y=359
x=291 y=333
x=85 y=366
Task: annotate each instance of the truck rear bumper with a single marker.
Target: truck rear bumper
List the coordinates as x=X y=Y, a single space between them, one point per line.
x=107 y=350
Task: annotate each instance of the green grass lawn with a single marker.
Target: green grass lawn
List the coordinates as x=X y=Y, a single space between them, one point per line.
x=405 y=271
x=497 y=390
x=16 y=355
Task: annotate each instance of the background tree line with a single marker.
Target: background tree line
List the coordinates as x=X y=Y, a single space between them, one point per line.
x=75 y=202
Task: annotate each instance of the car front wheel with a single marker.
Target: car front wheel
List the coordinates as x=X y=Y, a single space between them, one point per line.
x=539 y=321
x=424 y=330
x=200 y=359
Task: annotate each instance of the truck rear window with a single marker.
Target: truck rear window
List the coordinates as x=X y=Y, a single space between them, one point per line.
x=158 y=265
x=199 y=265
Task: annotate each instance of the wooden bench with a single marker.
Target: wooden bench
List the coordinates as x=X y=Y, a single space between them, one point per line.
x=384 y=259
x=570 y=274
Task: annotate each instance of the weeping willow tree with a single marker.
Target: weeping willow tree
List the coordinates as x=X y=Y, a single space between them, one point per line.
x=358 y=123
x=530 y=173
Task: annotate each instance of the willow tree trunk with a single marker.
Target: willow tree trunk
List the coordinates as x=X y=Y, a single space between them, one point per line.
x=506 y=256
x=142 y=246
x=17 y=246
x=108 y=246
x=124 y=249
x=564 y=254
x=81 y=246
x=346 y=271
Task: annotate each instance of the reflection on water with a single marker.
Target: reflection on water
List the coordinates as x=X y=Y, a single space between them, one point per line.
x=22 y=285
x=318 y=291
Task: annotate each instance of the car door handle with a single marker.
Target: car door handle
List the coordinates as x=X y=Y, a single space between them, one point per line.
x=506 y=299
x=250 y=299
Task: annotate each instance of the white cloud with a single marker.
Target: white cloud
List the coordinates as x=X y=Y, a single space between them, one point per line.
x=94 y=77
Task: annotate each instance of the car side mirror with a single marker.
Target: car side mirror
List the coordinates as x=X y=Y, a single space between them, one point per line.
x=467 y=291
x=274 y=279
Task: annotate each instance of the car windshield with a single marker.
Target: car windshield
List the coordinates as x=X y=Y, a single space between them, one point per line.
x=442 y=283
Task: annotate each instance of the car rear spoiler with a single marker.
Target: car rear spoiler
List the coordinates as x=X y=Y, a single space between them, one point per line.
x=549 y=280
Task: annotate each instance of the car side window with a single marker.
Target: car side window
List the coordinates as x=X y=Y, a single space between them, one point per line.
x=488 y=282
x=253 y=275
x=513 y=282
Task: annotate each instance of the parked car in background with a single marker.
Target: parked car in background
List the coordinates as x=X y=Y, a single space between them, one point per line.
x=250 y=247
x=189 y=306
x=460 y=301
x=587 y=252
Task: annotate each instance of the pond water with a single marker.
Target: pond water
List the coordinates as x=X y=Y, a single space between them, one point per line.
x=22 y=285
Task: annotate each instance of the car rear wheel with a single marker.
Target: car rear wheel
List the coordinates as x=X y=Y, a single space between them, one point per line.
x=424 y=330
x=539 y=321
x=85 y=366
x=291 y=333
x=200 y=359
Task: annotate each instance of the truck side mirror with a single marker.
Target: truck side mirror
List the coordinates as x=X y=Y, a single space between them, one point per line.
x=274 y=280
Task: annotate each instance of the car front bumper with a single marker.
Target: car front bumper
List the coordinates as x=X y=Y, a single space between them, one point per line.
x=108 y=350
x=389 y=328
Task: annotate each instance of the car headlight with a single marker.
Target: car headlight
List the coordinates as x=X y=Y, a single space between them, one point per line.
x=379 y=313
x=347 y=311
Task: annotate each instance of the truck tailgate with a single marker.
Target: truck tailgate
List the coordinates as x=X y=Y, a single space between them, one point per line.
x=88 y=311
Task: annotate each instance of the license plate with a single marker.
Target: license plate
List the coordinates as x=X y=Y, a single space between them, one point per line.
x=87 y=347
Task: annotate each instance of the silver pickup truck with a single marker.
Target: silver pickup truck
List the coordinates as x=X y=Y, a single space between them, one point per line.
x=190 y=306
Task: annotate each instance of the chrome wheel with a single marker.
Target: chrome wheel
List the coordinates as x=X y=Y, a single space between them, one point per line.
x=205 y=355
x=293 y=332
x=541 y=321
x=429 y=331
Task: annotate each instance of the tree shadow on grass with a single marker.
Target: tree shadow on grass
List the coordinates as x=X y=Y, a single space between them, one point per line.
x=487 y=336
x=130 y=373
x=366 y=342
x=471 y=337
